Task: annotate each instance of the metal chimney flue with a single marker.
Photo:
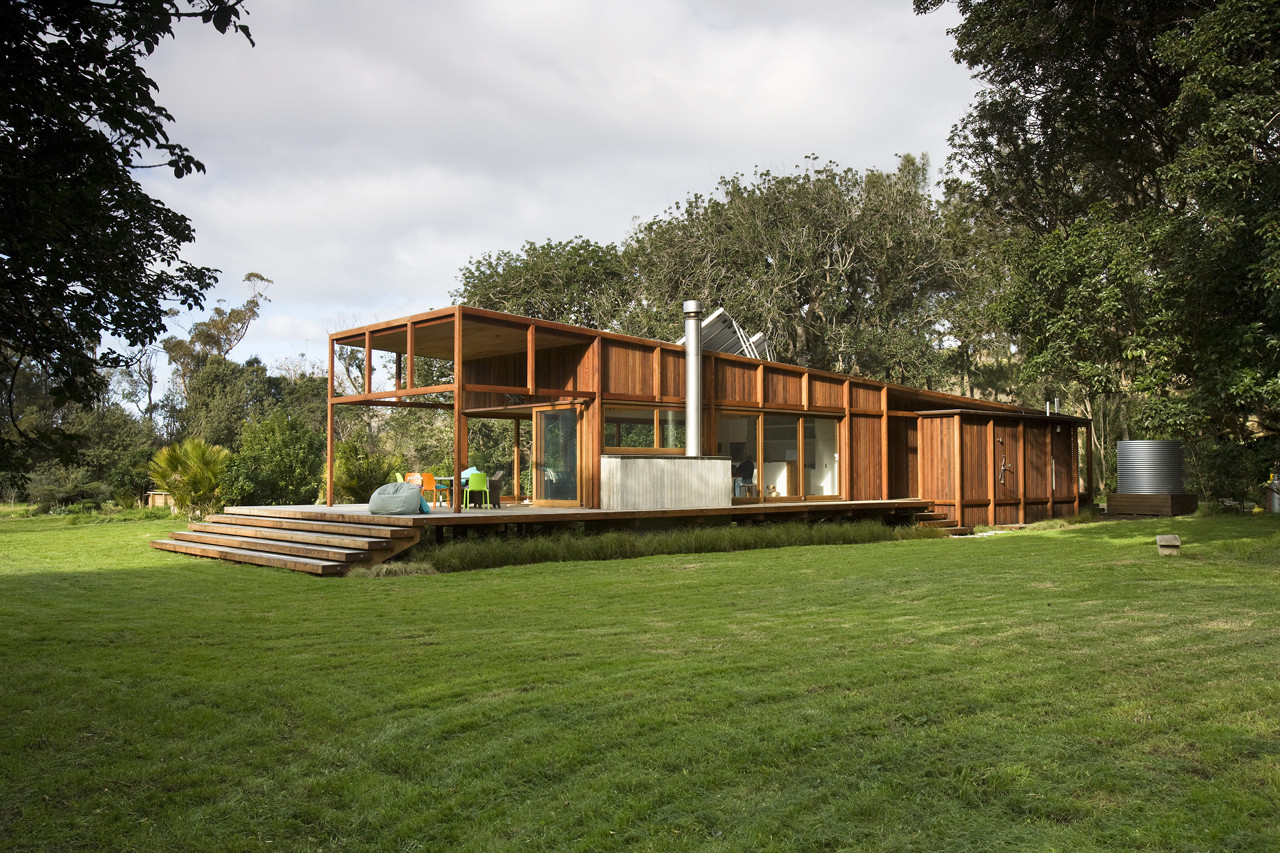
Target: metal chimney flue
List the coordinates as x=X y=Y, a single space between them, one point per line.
x=693 y=378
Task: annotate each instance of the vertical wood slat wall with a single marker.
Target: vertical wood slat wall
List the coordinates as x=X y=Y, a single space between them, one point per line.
x=978 y=467
x=998 y=469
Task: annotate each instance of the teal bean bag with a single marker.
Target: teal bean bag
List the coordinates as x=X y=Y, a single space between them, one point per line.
x=398 y=499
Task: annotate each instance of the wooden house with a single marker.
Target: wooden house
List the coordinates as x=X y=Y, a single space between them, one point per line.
x=623 y=424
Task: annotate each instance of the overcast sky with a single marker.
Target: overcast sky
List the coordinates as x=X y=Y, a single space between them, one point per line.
x=362 y=153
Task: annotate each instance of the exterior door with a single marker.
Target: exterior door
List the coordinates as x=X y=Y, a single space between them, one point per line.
x=557 y=456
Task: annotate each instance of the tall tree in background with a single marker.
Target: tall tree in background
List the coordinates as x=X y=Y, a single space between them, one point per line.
x=841 y=270
x=84 y=252
x=216 y=335
x=577 y=281
x=1133 y=149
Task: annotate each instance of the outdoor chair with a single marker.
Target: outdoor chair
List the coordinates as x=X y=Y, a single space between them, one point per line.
x=478 y=482
x=413 y=477
x=495 y=484
x=439 y=491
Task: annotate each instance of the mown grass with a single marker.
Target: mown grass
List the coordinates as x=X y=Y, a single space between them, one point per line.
x=1057 y=690
x=491 y=552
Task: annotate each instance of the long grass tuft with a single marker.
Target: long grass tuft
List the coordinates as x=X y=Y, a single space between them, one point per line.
x=573 y=547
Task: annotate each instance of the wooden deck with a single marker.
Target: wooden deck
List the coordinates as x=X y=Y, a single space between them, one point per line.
x=331 y=540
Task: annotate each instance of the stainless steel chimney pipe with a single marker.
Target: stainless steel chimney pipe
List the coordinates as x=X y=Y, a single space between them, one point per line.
x=692 y=378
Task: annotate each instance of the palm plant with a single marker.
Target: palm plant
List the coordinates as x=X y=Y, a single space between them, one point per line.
x=358 y=470
x=191 y=471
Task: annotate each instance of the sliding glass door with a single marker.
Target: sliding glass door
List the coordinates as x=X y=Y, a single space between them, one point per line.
x=556 y=456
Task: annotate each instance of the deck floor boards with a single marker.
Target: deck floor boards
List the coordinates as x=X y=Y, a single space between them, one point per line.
x=529 y=514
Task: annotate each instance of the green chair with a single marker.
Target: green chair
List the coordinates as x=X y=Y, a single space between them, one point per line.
x=477 y=482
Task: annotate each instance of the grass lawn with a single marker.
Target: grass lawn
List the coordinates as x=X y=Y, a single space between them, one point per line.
x=1065 y=690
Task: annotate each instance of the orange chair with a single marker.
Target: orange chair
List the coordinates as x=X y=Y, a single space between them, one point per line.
x=439 y=491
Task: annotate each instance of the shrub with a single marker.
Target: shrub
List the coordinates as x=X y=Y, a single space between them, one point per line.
x=358 y=470
x=62 y=485
x=281 y=461
x=1233 y=470
x=191 y=471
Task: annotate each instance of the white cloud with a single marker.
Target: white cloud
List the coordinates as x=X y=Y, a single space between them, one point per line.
x=359 y=157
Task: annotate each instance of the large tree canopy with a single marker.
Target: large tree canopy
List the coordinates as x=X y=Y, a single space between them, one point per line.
x=840 y=269
x=574 y=281
x=1133 y=150
x=84 y=252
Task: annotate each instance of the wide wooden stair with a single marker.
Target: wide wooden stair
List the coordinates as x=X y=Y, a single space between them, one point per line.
x=321 y=543
x=939 y=520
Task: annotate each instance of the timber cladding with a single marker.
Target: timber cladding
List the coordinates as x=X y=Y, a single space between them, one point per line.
x=783 y=387
x=937 y=473
x=564 y=367
x=904 y=457
x=628 y=369
x=1005 y=471
x=866 y=451
x=976 y=459
x=826 y=393
x=672 y=373
x=735 y=382
x=864 y=396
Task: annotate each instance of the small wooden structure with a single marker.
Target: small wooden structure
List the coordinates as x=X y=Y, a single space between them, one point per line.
x=599 y=422
x=1181 y=504
x=1168 y=545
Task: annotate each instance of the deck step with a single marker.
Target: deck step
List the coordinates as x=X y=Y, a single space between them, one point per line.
x=275 y=546
x=936 y=522
x=930 y=516
x=358 y=514
x=335 y=527
x=308 y=537
x=257 y=558
x=297 y=537
x=958 y=531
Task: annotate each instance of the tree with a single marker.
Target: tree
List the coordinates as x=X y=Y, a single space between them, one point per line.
x=136 y=382
x=222 y=397
x=577 y=281
x=840 y=270
x=115 y=451
x=1133 y=150
x=281 y=461
x=217 y=334
x=980 y=355
x=84 y=252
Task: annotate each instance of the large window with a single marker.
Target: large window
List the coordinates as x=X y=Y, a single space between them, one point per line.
x=630 y=429
x=780 y=457
x=736 y=438
x=821 y=453
x=780 y=463
x=555 y=455
x=671 y=430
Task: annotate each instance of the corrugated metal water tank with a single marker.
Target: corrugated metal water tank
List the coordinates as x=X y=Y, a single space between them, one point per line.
x=1149 y=468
